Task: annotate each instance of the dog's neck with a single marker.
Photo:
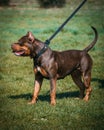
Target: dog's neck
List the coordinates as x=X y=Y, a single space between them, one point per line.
x=40 y=48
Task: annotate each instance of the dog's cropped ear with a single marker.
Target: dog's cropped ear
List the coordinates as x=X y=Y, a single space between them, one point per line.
x=30 y=36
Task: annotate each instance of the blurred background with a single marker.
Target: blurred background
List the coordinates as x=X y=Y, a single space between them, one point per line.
x=42 y=18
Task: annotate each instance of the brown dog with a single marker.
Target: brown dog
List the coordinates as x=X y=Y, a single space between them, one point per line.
x=55 y=65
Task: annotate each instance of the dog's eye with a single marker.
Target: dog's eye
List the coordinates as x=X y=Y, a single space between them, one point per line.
x=30 y=40
x=20 y=43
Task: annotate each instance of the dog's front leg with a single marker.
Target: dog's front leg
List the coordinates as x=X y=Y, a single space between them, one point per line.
x=37 y=86
x=53 y=91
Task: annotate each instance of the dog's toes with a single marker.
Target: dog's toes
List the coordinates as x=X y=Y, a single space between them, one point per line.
x=53 y=103
x=86 y=98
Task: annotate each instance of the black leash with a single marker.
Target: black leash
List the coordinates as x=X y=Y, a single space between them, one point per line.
x=47 y=42
x=66 y=21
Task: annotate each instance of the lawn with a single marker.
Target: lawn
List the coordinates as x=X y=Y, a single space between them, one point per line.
x=17 y=77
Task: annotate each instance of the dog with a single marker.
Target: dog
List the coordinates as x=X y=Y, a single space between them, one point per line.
x=54 y=65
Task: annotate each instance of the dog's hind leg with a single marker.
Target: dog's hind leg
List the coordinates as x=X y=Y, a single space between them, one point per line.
x=76 y=76
x=87 y=80
x=86 y=66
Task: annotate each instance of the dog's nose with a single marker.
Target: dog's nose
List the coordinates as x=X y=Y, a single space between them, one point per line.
x=12 y=46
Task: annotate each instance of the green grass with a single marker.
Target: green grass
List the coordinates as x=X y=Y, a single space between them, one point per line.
x=17 y=78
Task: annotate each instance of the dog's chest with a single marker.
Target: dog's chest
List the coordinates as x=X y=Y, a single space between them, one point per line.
x=40 y=70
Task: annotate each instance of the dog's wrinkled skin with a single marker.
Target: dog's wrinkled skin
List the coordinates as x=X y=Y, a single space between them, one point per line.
x=55 y=65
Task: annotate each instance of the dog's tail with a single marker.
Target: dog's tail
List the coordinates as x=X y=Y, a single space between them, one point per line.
x=93 y=42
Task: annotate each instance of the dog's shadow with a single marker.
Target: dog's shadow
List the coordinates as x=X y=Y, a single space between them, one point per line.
x=46 y=97
x=100 y=81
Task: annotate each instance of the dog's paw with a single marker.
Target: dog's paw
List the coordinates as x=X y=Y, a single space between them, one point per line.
x=53 y=103
x=86 y=98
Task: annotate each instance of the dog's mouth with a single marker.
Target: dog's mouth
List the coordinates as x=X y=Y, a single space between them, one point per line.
x=19 y=53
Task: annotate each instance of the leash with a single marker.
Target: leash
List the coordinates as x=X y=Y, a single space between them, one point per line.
x=47 y=42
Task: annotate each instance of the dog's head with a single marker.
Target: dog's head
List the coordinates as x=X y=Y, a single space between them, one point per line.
x=25 y=46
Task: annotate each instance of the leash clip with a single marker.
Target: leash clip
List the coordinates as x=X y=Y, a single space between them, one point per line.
x=47 y=42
